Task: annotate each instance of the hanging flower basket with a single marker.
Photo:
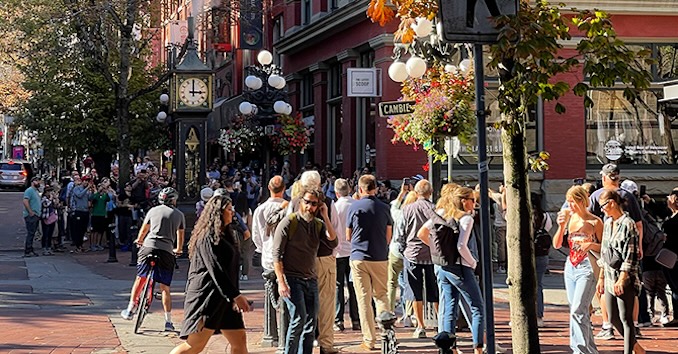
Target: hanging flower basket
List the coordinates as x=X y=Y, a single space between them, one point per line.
x=241 y=137
x=444 y=107
x=290 y=135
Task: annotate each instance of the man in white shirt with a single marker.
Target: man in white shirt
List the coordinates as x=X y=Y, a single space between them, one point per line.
x=343 y=251
x=262 y=236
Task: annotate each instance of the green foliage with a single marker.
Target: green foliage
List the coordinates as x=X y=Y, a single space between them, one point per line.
x=73 y=103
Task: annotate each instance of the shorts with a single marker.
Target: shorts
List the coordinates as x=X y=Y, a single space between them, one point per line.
x=99 y=224
x=416 y=273
x=164 y=266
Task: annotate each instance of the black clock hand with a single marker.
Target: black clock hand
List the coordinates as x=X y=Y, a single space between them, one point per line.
x=193 y=82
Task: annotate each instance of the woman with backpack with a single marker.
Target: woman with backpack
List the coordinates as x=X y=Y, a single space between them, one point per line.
x=454 y=252
x=541 y=224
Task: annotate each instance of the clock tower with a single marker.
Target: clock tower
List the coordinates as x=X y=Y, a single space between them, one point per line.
x=191 y=100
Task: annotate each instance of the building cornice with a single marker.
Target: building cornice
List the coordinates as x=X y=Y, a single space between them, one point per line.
x=346 y=55
x=631 y=7
x=382 y=40
x=320 y=66
x=297 y=39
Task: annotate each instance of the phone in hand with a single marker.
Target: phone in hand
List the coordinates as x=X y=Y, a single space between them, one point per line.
x=407 y=181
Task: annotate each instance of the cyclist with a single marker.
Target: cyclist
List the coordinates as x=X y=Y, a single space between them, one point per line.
x=163 y=226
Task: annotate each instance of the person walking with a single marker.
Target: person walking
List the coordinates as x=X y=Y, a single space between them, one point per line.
x=49 y=219
x=620 y=278
x=343 y=253
x=418 y=265
x=163 y=227
x=295 y=248
x=670 y=227
x=32 y=210
x=213 y=300
x=455 y=271
x=541 y=223
x=369 y=227
x=584 y=232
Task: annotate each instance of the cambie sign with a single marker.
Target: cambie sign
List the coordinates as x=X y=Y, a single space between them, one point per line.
x=395 y=108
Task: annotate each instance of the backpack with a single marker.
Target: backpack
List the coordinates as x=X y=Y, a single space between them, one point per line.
x=294 y=223
x=653 y=237
x=63 y=195
x=542 y=241
x=443 y=242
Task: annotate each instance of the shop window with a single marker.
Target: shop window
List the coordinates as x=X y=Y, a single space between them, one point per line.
x=306 y=12
x=638 y=134
x=468 y=152
x=667 y=61
x=335 y=116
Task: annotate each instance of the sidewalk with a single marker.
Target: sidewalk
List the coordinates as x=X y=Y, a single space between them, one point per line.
x=71 y=303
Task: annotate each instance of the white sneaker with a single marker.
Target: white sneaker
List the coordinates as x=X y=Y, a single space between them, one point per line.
x=127 y=315
x=244 y=277
x=664 y=320
x=497 y=348
x=501 y=270
x=540 y=322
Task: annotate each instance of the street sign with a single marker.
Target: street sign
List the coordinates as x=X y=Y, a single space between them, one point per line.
x=471 y=21
x=395 y=108
x=363 y=82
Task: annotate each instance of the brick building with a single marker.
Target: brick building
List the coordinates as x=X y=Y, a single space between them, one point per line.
x=317 y=41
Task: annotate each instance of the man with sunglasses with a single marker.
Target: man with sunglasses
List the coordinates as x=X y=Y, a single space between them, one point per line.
x=295 y=247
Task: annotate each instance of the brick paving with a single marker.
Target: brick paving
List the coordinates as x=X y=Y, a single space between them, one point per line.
x=62 y=322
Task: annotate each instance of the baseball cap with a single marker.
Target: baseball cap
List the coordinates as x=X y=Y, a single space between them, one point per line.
x=611 y=170
x=206 y=193
x=417 y=177
x=630 y=186
x=36 y=178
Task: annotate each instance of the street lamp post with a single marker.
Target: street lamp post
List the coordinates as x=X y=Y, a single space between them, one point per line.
x=263 y=99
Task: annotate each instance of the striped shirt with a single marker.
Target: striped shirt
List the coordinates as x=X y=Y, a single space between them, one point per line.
x=623 y=238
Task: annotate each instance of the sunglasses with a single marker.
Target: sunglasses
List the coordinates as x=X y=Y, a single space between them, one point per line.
x=602 y=206
x=310 y=202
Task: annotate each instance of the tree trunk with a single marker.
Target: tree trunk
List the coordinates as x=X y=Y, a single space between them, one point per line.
x=522 y=278
x=122 y=99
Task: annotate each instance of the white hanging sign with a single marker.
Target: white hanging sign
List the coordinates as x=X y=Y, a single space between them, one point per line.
x=363 y=82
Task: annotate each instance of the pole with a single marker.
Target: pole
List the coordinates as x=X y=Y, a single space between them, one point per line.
x=484 y=196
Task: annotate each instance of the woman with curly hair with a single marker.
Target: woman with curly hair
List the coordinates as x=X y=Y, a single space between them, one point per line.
x=213 y=300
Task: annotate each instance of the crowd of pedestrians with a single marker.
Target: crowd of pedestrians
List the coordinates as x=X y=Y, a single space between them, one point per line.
x=331 y=242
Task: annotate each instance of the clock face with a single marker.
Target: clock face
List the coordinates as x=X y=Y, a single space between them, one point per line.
x=193 y=92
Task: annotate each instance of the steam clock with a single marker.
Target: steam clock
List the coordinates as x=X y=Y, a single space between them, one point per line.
x=191 y=100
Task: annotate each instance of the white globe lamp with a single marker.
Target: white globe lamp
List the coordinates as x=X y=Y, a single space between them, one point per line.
x=280 y=107
x=161 y=117
x=164 y=98
x=253 y=82
x=281 y=83
x=450 y=68
x=423 y=27
x=397 y=71
x=245 y=108
x=265 y=57
x=416 y=67
x=274 y=80
x=288 y=109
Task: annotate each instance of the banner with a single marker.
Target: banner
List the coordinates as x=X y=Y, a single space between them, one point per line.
x=251 y=25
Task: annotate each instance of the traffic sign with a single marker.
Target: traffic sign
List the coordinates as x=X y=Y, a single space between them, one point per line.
x=395 y=108
x=472 y=21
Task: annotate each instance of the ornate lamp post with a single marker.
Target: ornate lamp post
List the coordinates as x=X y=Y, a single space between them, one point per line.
x=263 y=99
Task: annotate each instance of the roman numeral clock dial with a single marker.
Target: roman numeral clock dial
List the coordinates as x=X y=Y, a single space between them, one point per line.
x=193 y=92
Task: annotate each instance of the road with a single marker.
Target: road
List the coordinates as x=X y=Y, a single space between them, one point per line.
x=70 y=303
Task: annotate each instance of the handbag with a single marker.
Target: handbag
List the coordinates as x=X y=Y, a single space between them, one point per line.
x=666 y=258
x=51 y=218
x=612 y=258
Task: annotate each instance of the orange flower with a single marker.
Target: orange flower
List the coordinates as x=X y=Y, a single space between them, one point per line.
x=377 y=11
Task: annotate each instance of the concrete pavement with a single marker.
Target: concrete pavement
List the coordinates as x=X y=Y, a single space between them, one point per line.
x=70 y=303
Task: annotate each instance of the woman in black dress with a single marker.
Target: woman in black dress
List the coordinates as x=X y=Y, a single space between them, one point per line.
x=213 y=300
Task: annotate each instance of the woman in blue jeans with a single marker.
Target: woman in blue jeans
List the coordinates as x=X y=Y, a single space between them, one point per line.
x=584 y=232
x=457 y=278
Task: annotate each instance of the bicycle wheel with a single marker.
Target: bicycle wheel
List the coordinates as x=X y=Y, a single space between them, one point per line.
x=144 y=301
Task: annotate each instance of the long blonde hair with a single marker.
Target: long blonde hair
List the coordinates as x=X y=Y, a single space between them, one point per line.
x=297 y=188
x=446 y=202
x=579 y=194
x=458 y=197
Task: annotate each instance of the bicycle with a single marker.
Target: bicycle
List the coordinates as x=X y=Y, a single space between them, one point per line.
x=146 y=295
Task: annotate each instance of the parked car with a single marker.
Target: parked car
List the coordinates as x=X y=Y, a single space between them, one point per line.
x=15 y=173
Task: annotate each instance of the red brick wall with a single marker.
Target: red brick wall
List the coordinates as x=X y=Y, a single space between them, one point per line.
x=564 y=134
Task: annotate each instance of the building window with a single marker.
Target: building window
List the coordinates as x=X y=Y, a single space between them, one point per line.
x=333 y=4
x=667 y=61
x=306 y=12
x=307 y=111
x=630 y=135
x=278 y=34
x=468 y=152
x=335 y=116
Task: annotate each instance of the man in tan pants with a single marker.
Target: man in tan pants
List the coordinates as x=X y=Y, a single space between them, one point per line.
x=326 y=268
x=369 y=228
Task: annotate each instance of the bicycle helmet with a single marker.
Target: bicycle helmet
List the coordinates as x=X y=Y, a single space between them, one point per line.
x=167 y=195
